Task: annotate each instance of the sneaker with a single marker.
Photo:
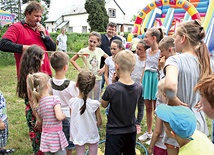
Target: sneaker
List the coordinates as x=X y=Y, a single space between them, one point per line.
x=145 y=136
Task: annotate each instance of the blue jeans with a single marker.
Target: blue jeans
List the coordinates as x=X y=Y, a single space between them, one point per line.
x=66 y=130
x=103 y=81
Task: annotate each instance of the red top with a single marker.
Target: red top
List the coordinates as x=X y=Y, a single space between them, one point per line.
x=22 y=34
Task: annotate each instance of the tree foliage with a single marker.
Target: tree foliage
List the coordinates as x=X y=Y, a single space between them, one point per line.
x=98 y=17
x=14 y=6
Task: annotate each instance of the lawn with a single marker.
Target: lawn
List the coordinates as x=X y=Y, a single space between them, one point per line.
x=18 y=131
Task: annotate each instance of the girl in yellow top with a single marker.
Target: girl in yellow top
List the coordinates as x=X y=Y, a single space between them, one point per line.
x=91 y=57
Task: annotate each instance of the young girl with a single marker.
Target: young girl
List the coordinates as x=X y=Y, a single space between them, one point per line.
x=150 y=78
x=116 y=46
x=53 y=140
x=137 y=75
x=183 y=71
x=31 y=62
x=91 y=57
x=85 y=116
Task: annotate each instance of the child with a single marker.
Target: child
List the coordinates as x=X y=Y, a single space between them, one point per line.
x=156 y=146
x=116 y=46
x=123 y=96
x=180 y=124
x=137 y=75
x=65 y=89
x=167 y=48
x=31 y=62
x=53 y=140
x=3 y=126
x=91 y=57
x=206 y=89
x=85 y=115
x=150 y=78
x=134 y=42
x=183 y=71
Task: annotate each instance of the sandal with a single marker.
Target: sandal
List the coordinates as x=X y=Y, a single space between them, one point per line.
x=6 y=151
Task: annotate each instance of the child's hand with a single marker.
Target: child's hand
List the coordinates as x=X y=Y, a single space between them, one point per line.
x=198 y=106
x=161 y=62
x=2 y=125
x=150 y=151
x=38 y=125
x=100 y=72
x=138 y=127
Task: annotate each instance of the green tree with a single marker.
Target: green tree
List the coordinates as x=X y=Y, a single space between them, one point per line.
x=97 y=18
x=11 y=6
x=47 y=2
x=14 y=6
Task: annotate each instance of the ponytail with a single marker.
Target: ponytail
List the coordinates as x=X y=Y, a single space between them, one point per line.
x=202 y=53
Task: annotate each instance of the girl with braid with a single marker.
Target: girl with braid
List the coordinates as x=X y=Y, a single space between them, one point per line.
x=85 y=116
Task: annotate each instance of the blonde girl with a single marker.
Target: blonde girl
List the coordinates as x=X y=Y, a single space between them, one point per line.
x=116 y=46
x=91 y=57
x=48 y=111
x=150 y=78
x=183 y=71
x=85 y=115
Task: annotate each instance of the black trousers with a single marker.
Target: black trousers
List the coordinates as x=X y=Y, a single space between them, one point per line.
x=120 y=143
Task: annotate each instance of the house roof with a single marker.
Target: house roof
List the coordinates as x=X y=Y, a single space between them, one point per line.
x=119 y=7
x=71 y=9
x=62 y=24
x=74 y=9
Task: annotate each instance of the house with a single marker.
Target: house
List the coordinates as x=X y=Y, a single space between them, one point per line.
x=74 y=18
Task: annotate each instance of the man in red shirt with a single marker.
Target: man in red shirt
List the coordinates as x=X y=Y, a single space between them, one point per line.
x=19 y=37
x=22 y=35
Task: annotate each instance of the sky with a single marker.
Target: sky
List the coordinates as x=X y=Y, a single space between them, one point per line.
x=130 y=7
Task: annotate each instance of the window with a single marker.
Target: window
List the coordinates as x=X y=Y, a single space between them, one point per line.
x=70 y=29
x=112 y=13
x=84 y=29
x=129 y=29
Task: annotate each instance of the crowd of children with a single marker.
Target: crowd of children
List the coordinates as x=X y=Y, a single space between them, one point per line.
x=65 y=115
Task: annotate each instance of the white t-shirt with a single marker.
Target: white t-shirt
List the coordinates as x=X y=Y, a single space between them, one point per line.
x=136 y=74
x=66 y=94
x=111 y=68
x=62 y=39
x=152 y=61
x=83 y=128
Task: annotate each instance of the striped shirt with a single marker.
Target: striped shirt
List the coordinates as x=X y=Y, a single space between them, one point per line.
x=52 y=141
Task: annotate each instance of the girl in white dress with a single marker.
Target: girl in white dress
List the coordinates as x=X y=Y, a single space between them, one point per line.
x=85 y=116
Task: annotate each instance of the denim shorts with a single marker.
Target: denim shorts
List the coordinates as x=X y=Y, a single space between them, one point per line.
x=66 y=130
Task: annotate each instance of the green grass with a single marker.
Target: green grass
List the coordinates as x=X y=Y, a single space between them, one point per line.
x=18 y=131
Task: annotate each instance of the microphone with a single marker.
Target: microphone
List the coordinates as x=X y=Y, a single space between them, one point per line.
x=41 y=33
